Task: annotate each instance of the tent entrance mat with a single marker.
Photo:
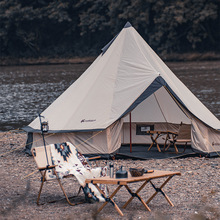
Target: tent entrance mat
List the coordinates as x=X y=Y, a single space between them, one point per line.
x=141 y=152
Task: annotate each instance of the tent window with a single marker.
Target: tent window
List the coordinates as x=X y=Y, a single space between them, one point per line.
x=143 y=128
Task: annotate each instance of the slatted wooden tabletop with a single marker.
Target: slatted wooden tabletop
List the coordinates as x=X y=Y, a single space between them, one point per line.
x=130 y=179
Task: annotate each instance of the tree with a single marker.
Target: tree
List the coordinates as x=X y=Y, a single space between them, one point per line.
x=82 y=27
x=184 y=25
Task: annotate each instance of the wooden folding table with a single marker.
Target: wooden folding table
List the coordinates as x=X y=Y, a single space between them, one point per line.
x=146 y=178
x=154 y=138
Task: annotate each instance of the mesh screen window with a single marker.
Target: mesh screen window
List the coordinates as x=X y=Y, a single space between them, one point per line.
x=143 y=129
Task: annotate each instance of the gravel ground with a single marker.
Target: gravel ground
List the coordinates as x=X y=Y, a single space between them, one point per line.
x=195 y=194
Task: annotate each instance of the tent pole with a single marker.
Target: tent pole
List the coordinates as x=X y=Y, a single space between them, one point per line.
x=130 y=134
x=42 y=133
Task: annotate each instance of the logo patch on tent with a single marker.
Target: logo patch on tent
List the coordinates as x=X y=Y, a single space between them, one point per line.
x=89 y=120
x=215 y=144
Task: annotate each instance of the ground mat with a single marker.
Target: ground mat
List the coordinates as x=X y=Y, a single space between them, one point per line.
x=141 y=152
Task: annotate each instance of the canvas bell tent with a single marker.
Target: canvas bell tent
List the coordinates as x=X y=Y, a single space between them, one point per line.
x=127 y=77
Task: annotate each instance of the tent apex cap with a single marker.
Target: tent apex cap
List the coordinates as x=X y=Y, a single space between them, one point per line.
x=127 y=25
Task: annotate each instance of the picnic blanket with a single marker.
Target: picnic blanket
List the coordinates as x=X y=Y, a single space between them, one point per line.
x=70 y=161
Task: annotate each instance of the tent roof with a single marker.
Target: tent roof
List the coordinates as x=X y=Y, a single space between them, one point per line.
x=127 y=70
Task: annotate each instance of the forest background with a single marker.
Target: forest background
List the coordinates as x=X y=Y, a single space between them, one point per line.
x=80 y=28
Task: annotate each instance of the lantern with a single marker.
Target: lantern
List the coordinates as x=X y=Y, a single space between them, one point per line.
x=44 y=126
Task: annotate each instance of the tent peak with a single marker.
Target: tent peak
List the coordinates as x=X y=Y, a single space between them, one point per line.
x=127 y=25
x=105 y=48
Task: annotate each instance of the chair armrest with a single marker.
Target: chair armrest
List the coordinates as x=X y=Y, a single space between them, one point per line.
x=172 y=132
x=94 y=158
x=47 y=168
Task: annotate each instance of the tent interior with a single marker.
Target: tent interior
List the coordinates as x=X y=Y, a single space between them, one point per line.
x=158 y=112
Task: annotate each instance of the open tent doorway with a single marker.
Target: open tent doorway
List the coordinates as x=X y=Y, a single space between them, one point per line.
x=158 y=112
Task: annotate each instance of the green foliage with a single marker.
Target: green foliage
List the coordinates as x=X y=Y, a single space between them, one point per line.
x=82 y=27
x=185 y=25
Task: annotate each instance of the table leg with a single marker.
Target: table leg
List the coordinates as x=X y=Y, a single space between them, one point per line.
x=109 y=199
x=167 y=137
x=158 y=148
x=154 y=141
x=136 y=195
x=161 y=191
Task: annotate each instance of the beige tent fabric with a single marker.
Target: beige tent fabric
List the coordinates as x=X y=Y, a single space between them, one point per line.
x=192 y=103
x=104 y=91
x=101 y=142
x=158 y=108
x=205 y=139
x=111 y=85
x=107 y=90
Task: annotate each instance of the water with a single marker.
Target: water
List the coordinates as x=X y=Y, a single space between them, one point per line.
x=27 y=90
x=203 y=79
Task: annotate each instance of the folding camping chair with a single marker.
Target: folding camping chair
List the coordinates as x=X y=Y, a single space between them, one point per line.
x=183 y=136
x=50 y=165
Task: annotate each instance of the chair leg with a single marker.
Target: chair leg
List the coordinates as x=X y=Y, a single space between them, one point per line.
x=168 y=146
x=184 y=147
x=61 y=186
x=41 y=187
x=176 y=149
x=165 y=143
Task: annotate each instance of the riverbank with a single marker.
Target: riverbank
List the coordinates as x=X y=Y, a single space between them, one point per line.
x=175 y=57
x=195 y=194
x=9 y=61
